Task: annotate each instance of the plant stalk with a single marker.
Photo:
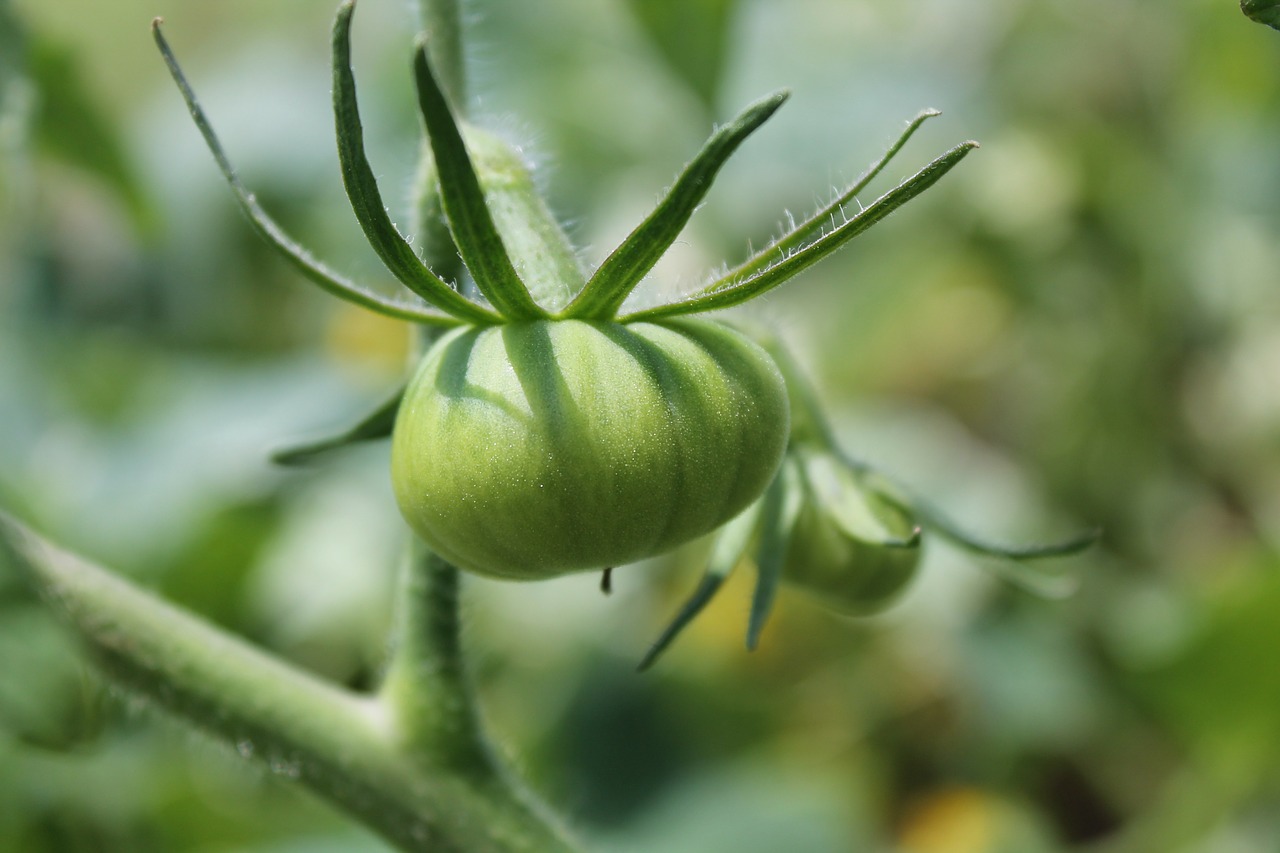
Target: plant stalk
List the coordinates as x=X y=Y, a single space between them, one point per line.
x=343 y=746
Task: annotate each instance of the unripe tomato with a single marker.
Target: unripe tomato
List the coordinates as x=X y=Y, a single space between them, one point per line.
x=851 y=575
x=533 y=449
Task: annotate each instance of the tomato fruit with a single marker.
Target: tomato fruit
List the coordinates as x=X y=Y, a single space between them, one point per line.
x=529 y=450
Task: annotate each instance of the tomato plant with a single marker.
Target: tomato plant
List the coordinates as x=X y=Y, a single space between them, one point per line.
x=550 y=426
x=545 y=437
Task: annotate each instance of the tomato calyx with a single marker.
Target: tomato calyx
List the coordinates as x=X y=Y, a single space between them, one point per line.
x=815 y=487
x=484 y=248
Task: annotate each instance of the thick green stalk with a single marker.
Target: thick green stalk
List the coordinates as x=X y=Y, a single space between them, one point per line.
x=427 y=688
x=345 y=747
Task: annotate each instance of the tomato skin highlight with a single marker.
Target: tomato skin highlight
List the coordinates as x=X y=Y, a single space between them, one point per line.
x=535 y=449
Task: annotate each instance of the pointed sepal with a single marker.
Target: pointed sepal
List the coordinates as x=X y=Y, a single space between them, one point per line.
x=631 y=261
x=373 y=426
x=300 y=258
x=825 y=219
x=366 y=200
x=728 y=291
x=469 y=219
x=730 y=547
x=847 y=500
x=783 y=502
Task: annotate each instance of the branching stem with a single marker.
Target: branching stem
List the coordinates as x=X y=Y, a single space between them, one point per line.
x=345 y=747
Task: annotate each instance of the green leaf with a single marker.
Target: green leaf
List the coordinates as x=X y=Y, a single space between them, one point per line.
x=623 y=269
x=730 y=547
x=366 y=200
x=1263 y=11
x=692 y=36
x=782 y=504
x=375 y=425
x=472 y=227
x=69 y=125
x=729 y=291
x=300 y=258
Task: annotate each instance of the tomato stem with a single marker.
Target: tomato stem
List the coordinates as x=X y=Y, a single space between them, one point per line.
x=344 y=746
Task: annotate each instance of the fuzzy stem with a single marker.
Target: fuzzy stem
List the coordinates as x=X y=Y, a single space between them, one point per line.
x=426 y=683
x=343 y=746
x=442 y=28
x=427 y=688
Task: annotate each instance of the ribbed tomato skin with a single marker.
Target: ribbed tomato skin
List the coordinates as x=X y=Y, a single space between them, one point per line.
x=530 y=450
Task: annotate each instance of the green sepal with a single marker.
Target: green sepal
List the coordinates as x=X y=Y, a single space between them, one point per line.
x=540 y=250
x=729 y=290
x=730 y=547
x=1263 y=11
x=825 y=219
x=843 y=494
x=623 y=269
x=300 y=258
x=366 y=201
x=373 y=426
x=940 y=524
x=1024 y=566
x=782 y=504
x=472 y=227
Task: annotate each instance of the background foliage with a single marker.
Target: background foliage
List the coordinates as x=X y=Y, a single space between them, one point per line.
x=1082 y=324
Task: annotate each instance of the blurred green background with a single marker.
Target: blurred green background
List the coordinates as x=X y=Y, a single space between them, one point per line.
x=1081 y=325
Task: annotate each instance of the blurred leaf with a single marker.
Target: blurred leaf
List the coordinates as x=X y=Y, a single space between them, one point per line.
x=1263 y=11
x=965 y=820
x=46 y=697
x=12 y=55
x=692 y=37
x=69 y=125
x=1223 y=692
x=15 y=98
x=220 y=555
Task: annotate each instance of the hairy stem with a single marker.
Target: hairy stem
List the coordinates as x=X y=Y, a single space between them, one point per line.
x=427 y=688
x=442 y=29
x=343 y=746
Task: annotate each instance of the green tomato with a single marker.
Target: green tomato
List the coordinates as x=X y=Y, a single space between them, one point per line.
x=851 y=575
x=534 y=449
